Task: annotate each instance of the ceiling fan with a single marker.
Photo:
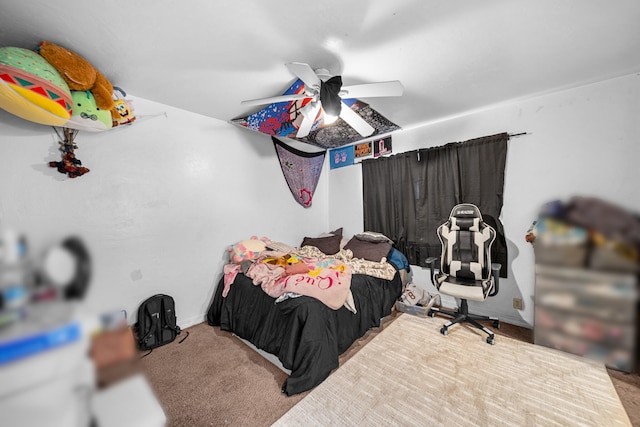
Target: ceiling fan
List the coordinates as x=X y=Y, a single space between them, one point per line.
x=326 y=93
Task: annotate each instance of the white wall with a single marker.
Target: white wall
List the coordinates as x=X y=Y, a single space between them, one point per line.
x=164 y=198
x=582 y=141
x=166 y=195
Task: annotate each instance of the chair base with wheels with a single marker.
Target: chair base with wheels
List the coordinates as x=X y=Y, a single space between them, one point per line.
x=463 y=315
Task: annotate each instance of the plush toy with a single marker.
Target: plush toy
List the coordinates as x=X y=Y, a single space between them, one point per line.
x=79 y=74
x=86 y=114
x=32 y=89
x=247 y=249
x=70 y=165
x=122 y=112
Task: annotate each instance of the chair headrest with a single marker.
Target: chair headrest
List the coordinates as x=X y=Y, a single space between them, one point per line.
x=466 y=210
x=465 y=216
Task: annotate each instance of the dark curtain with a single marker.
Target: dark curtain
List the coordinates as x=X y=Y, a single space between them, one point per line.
x=398 y=215
x=408 y=195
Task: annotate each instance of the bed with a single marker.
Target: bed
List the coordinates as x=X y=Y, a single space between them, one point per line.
x=305 y=334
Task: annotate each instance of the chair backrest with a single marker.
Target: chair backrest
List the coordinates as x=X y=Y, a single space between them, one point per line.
x=466 y=244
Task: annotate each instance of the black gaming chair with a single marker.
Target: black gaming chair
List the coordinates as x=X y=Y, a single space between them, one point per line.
x=466 y=271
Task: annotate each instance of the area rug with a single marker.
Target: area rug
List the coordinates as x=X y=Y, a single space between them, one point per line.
x=411 y=375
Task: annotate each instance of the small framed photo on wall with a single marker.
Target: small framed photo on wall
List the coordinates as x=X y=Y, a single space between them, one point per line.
x=363 y=151
x=342 y=156
x=382 y=147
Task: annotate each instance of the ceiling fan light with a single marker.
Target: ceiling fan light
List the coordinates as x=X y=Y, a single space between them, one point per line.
x=329 y=118
x=332 y=109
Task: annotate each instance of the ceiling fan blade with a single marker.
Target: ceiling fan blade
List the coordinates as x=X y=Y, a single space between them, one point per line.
x=391 y=88
x=305 y=73
x=355 y=121
x=275 y=99
x=310 y=113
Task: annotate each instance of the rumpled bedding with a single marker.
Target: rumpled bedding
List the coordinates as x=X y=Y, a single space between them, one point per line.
x=308 y=271
x=328 y=280
x=381 y=270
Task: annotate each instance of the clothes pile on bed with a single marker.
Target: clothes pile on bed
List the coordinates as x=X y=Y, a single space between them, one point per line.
x=284 y=272
x=308 y=304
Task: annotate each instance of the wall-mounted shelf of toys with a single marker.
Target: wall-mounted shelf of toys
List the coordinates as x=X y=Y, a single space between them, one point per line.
x=54 y=86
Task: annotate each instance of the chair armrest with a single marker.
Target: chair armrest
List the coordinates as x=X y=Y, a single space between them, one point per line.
x=431 y=261
x=495 y=272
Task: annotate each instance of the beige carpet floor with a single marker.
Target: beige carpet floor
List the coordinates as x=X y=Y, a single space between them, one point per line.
x=410 y=374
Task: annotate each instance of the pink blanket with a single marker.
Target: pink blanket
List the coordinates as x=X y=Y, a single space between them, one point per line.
x=328 y=280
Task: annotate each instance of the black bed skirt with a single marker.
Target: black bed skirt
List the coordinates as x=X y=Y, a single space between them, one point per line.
x=306 y=335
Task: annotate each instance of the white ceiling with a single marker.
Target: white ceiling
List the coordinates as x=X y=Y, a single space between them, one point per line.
x=206 y=56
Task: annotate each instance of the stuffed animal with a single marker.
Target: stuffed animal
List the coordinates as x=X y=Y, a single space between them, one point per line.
x=69 y=165
x=247 y=249
x=78 y=73
x=86 y=114
x=32 y=89
x=122 y=112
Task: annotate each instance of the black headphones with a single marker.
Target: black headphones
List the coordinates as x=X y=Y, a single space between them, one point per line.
x=67 y=266
x=77 y=287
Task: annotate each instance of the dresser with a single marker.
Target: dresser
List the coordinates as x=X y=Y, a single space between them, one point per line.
x=589 y=313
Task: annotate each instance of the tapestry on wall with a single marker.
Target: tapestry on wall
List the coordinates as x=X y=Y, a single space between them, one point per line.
x=282 y=119
x=301 y=170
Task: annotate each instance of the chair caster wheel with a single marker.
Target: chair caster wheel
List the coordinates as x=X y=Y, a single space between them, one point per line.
x=496 y=324
x=491 y=340
x=432 y=313
x=444 y=331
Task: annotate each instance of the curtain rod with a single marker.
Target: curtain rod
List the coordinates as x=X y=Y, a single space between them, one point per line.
x=511 y=135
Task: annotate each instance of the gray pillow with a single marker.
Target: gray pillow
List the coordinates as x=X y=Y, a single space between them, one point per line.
x=371 y=251
x=329 y=245
x=372 y=236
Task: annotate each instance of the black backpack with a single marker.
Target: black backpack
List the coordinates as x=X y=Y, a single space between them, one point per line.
x=156 y=324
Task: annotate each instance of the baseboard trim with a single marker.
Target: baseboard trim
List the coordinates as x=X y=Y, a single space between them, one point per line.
x=191 y=321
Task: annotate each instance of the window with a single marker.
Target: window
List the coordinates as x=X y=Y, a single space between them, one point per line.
x=408 y=195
